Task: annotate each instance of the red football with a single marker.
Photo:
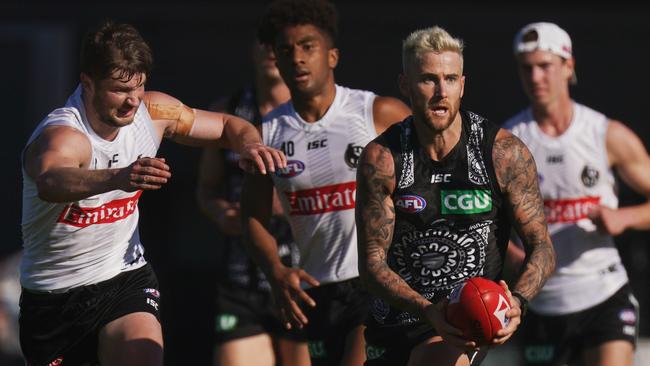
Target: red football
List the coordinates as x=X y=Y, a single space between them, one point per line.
x=478 y=307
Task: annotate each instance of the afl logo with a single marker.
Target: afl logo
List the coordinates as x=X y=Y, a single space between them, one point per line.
x=294 y=168
x=352 y=154
x=410 y=203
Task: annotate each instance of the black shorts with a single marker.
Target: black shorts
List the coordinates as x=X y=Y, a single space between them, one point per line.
x=241 y=313
x=392 y=345
x=340 y=307
x=554 y=340
x=66 y=326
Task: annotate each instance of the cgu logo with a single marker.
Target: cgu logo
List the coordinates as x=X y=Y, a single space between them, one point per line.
x=294 y=168
x=410 y=203
x=465 y=202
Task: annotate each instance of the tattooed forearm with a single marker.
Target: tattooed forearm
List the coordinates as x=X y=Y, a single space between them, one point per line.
x=517 y=176
x=375 y=218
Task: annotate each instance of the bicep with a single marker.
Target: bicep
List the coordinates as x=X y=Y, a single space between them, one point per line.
x=170 y=116
x=57 y=147
x=630 y=159
x=517 y=176
x=375 y=213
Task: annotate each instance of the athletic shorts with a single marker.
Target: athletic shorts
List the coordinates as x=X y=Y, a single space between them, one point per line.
x=340 y=308
x=555 y=340
x=244 y=313
x=391 y=345
x=56 y=328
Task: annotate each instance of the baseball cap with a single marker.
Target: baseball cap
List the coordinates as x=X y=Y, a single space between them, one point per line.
x=550 y=38
x=545 y=36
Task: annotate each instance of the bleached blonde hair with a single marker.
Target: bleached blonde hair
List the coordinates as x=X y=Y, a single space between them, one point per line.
x=434 y=39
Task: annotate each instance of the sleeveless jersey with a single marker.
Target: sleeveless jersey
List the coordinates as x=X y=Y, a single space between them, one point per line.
x=235 y=265
x=317 y=189
x=78 y=243
x=574 y=176
x=450 y=221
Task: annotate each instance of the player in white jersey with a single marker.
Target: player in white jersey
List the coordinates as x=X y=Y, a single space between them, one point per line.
x=88 y=294
x=322 y=130
x=586 y=313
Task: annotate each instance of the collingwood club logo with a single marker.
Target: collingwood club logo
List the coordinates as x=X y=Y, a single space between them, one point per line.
x=589 y=176
x=352 y=154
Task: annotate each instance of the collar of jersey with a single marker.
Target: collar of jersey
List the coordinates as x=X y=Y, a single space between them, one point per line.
x=327 y=118
x=566 y=135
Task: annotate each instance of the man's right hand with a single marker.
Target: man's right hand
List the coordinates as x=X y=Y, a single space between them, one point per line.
x=434 y=314
x=287 y=293
x=144 y=173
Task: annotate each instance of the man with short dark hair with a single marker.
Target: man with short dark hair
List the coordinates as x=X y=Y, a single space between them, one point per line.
x=88 y=293
x=322 y=131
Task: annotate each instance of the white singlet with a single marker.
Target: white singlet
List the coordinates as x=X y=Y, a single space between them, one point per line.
x=318 y=187
x=574 y=175
x=79 y=243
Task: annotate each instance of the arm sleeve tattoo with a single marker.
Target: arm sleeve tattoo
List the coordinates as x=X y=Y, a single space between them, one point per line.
x=375 y=219
x=517 y=175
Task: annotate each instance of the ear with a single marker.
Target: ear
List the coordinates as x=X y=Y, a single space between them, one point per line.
x=570 y=67
x=333 y=58
x=87 y=83
x=402 y=81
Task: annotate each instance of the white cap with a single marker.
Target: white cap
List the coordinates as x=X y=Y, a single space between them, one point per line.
x=550 y=38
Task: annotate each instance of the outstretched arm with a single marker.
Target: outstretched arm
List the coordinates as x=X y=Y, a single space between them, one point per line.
x=632 y=163
x=375 y=219
x=198 y=127
x=517 y=175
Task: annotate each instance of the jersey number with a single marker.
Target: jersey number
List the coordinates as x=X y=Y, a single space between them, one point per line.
x=287 y=148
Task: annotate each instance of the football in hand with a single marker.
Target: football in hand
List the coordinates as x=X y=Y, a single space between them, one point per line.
x=478 y=307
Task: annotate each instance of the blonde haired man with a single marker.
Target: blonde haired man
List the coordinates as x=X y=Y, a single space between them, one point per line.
x=416 y=243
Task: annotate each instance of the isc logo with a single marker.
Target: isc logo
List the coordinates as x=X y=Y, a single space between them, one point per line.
x=294 y=168
x=410 y=203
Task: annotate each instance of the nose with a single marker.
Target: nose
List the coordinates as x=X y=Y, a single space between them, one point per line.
x=133 y=98
x=297 y=56
x=536 y=74
x=440 y=90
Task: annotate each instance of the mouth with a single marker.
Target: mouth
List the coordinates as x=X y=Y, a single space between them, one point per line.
x=301 y=75
x=126 y=112
x=439 y=110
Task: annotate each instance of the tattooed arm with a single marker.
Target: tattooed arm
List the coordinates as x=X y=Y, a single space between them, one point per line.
x=517 y=175
x=375 y=219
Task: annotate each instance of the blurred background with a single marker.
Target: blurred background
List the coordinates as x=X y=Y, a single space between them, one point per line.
x=201 y=52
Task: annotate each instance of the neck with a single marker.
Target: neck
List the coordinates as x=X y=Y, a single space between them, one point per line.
x=270 y=94
x=103 y=130
x=313 y=107
x=438 y=143
x=554 y=118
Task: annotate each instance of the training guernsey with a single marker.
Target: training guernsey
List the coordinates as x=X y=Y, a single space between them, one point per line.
x=236 y=267
x=318 y=186
x=84 y=242
x=574 y=176
x=450 y=221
